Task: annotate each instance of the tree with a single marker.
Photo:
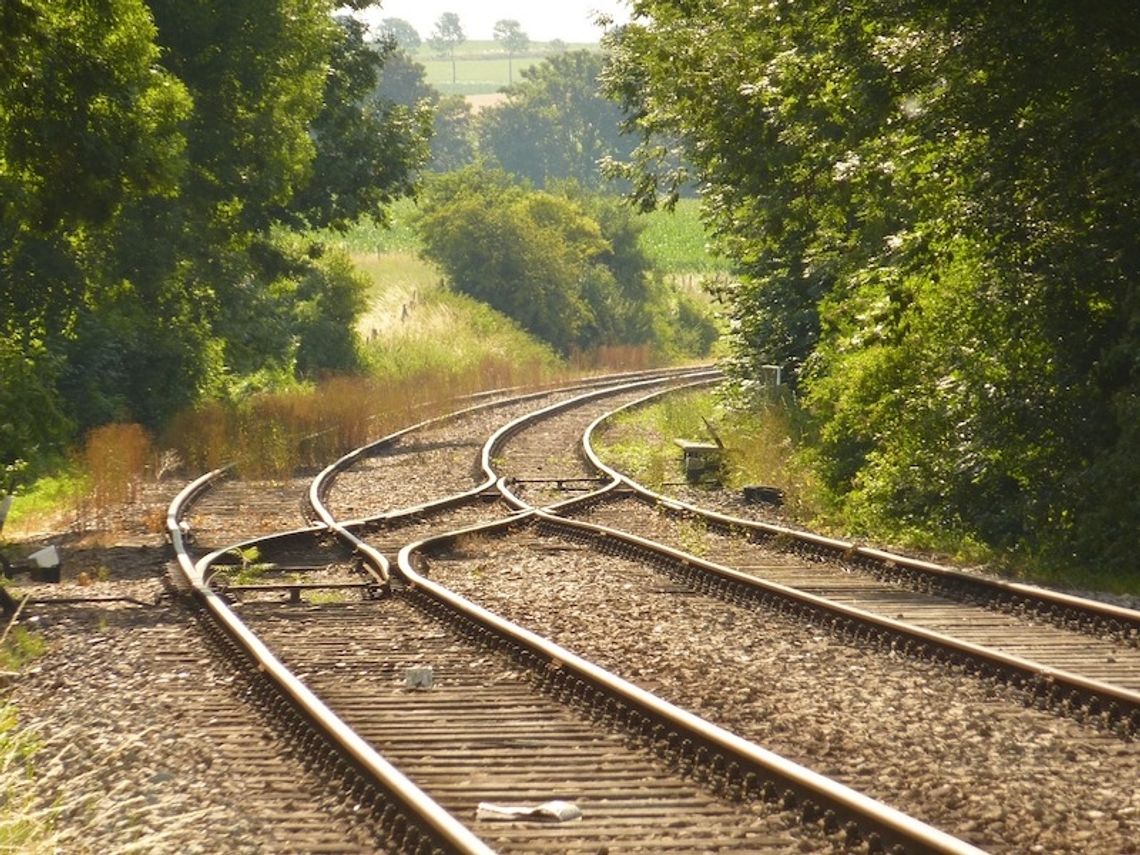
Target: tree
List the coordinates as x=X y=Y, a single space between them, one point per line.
x=564 y=263
x=90 y=127
x=524 y=253
x=446 y=37
x=148 y=154
x=555 y=124
x=512 y=37
x=403 y=80
x=401 y=32
x=931 y=210
x=453 y=136
x=366 y=150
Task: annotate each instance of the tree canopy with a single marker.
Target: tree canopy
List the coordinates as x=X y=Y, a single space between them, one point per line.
x=148 y=152
x=446 y=36
x=932 y=206
x=564 y=263
x=555 y=123
x=510 y=34
x=401 y=32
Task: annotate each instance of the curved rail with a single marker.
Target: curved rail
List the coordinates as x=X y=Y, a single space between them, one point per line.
x=749 y=765
x=434 y=823
x=1118 y=620
x=1056 y=687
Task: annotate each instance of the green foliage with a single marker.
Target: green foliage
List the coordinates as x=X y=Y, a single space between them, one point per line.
x=32 y=415
x=147 y=150
x=566 y=265
x=402 y=83
x=21 y=647
x=524 y=253
x=401 y=32
x=453 y=135
x=367 y=149
x=555 y=123
x=931 y=209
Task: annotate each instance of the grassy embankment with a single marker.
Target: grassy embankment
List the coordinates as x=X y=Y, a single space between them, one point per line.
x=766 y=446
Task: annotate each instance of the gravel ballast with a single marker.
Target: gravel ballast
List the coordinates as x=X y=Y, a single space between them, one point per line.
x=958 y=753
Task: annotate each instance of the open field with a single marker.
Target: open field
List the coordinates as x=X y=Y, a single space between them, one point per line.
x=676 y=241
x=482 y=67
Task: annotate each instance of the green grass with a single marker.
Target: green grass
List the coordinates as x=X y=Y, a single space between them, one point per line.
x=676 y=241
x=415 y=324
x=367 y=235
x=19 y=648
x=759 y=446
x=22 y=828
x=42 y=502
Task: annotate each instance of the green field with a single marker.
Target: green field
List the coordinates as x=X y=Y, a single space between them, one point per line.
x=481 y=67
x=676 y=241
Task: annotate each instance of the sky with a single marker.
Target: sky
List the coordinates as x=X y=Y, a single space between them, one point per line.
x=542 y=20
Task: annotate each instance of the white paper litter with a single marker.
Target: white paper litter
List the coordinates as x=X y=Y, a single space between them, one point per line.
x=554 y=811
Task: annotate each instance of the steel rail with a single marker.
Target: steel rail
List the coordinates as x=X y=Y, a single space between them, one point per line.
x=817 y=795
x=499 y=437
x=1053 y=686
x=435 y=823
x=1119 y=620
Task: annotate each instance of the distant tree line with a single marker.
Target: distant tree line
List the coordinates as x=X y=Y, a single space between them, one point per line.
x=554 y=124
x=934 y=211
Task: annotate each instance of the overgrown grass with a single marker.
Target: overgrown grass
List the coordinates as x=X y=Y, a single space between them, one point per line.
x=764 y=446
x=40 y=505
x=759 y=446
x=369 y=236
x=23 y=827
x=20 y=647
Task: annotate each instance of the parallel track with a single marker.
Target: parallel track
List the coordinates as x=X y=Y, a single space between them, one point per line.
x=822 y=806
x=354 y=654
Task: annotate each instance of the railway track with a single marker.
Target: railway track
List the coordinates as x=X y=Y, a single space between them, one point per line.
x=739 y=782
x=555 y=460
x=1088 y=667
x=1090 y=640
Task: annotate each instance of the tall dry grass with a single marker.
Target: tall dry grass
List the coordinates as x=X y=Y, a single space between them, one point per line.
x=280 y=434
x=275 y=435
x=116 y=459
x=615 y=357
